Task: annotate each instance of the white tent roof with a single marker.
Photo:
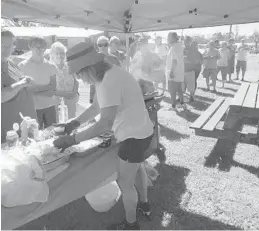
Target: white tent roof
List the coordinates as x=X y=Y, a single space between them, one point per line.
x=134 y=15
x=48 y=31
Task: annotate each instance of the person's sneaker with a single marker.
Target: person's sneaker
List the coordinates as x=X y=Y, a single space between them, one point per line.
x=124 y=226
x=144 y=208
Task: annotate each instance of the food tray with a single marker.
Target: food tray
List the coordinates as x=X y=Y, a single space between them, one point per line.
x=87 y=147
x=56 y=163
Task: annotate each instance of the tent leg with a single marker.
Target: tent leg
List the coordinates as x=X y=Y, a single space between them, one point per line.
x=127 y=51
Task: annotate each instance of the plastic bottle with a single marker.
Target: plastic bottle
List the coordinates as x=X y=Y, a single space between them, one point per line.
x=62 y=111
x=12 y=138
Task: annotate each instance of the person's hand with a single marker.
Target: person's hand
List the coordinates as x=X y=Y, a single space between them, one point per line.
x=26 y=81
x=64 y=142
x=66 y=128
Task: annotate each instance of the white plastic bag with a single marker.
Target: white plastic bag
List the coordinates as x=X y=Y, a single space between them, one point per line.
x=22 y=179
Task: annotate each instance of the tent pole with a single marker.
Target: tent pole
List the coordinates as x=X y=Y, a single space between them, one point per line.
x=230 y=31
x=127 y=51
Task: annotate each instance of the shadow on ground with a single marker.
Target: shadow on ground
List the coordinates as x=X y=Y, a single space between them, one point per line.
x=165 y=197
x=222 y=156
x=188 y=115
x=171 y=134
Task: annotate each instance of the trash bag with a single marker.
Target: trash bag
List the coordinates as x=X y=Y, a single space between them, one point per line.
x=22 y=179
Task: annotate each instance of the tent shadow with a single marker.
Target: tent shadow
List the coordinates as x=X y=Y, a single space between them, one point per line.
x=168 y=192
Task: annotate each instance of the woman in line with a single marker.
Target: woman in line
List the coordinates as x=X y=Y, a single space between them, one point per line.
x=15 y=97
x=67 y=85
x=223 y=62
x=122 y=109
x=103 y=47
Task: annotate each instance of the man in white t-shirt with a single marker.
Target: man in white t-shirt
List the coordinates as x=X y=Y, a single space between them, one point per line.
x=175 y=68
x=122 y=109
x=242 y=52
x=44 y=75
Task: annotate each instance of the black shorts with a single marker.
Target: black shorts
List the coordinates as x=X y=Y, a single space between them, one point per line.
x=241 y=65
x=133 y=150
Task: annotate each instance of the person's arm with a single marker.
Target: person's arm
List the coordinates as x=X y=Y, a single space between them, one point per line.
x=8 y=93
x=105 y=123
x=89 y=113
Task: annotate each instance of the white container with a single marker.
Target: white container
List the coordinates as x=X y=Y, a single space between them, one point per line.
x=104 y=198
x=62 y=112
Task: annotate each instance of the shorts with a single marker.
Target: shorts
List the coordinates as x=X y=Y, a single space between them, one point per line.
x=241 y=65
x=224 y=71
x=133 y=150
x=46 y=117
x=231 y=66
x=210 y=73
x=189 y=81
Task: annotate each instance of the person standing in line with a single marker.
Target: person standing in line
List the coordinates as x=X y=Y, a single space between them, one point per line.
x=161 y=50
x=231 y=61
x=190 y=57
x=133 y=47
x=44 y=87
x=198 y=62
x=217 y=44
x=114 y=45
x=242 y=52
x=67 y=85
x=103 y=47
x=175 y=69
x=15 y=96
x=223 y=62
x=210 y=71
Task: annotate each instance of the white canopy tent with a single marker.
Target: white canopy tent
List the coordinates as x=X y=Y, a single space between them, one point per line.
x=133 y=15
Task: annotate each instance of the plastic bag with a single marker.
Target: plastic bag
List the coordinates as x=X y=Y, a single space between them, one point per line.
x=23 y=180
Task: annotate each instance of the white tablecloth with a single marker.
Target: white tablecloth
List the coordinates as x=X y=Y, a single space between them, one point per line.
x=82 y=176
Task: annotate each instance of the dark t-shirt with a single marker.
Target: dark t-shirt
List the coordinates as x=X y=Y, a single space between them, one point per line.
x=120 y=55
x=112 y=59
x=22 y=102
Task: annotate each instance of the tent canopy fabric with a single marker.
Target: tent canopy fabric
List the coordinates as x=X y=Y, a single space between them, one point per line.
x=57 y=31
x=133 y=15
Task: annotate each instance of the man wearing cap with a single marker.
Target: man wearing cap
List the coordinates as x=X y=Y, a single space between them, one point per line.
x=242 y=52
x=121 y=106
x=175 y=68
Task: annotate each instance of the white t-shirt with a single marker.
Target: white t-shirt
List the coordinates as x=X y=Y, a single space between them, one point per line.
x=175 y=53
x=242 y=53
x=224 y=57
x=161 y=50
x=41 y=73
x=120 y=88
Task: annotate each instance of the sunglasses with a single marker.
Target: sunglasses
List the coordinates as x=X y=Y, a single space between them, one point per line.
x=103 y=45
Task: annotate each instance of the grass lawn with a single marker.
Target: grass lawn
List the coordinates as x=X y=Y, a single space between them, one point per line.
x=203 y=183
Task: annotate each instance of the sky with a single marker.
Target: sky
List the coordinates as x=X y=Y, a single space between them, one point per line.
x=243 y=29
